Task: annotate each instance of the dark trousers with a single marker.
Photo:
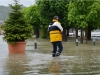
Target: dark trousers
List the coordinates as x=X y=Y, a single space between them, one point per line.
x=55 y=46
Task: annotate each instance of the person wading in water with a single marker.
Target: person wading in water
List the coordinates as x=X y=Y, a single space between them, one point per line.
x=55 y=31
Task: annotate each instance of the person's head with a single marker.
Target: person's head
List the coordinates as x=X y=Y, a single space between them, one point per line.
x=56 y=17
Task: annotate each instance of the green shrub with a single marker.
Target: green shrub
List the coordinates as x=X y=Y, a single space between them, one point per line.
x=16 y=28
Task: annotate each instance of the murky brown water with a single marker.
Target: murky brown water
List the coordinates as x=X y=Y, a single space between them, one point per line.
x=83 y=59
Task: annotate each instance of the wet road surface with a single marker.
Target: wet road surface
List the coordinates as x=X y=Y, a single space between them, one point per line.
x=83 y=59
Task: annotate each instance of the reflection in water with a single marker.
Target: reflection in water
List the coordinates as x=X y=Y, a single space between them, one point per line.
x=81 y=60
x=55 y=66
x=85 y=63
x=16 y=64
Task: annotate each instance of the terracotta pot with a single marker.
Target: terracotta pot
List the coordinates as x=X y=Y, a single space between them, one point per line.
x=18 y=47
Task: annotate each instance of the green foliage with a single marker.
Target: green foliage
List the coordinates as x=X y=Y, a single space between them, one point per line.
x=44 y=32
x=49 y=8
x=32 y=15
x=94 y=14
x=83 y=13
x=16 y=27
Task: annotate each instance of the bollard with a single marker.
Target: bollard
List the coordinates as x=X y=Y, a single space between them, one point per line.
x=94 y=42
x=76 y=42
x=35 y=44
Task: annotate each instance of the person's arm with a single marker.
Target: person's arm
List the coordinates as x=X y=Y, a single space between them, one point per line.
x=48 y=27
x=58 y=25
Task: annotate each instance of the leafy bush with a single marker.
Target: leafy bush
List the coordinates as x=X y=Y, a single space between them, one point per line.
x=16 y=28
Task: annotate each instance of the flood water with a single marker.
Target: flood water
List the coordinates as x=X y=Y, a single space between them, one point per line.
x=83 y=59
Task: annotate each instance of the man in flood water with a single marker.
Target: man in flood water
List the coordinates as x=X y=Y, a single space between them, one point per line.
x=55 y=30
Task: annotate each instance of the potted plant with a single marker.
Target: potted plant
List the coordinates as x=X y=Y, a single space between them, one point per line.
x=16 y=29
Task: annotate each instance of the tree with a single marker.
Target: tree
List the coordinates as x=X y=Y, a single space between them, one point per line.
x=84 y=14
x=32 y=15
x=16 y=28
x=76 y=15
x=93 y=17
x=50 y=8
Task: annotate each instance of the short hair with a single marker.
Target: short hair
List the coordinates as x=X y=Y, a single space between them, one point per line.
x=55 y=17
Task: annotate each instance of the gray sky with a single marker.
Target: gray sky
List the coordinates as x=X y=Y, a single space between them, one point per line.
x=24 y=2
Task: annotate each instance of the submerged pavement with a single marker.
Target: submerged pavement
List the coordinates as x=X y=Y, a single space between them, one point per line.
x=83 y=59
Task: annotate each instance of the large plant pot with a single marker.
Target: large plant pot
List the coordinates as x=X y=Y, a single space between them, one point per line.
x=18 y=47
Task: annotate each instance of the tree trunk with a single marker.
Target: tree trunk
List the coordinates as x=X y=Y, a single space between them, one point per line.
x=37 y=32
x=89 y=33
x=67 y=31
x=64 y=36
x=76 y=31
x=81 y=41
